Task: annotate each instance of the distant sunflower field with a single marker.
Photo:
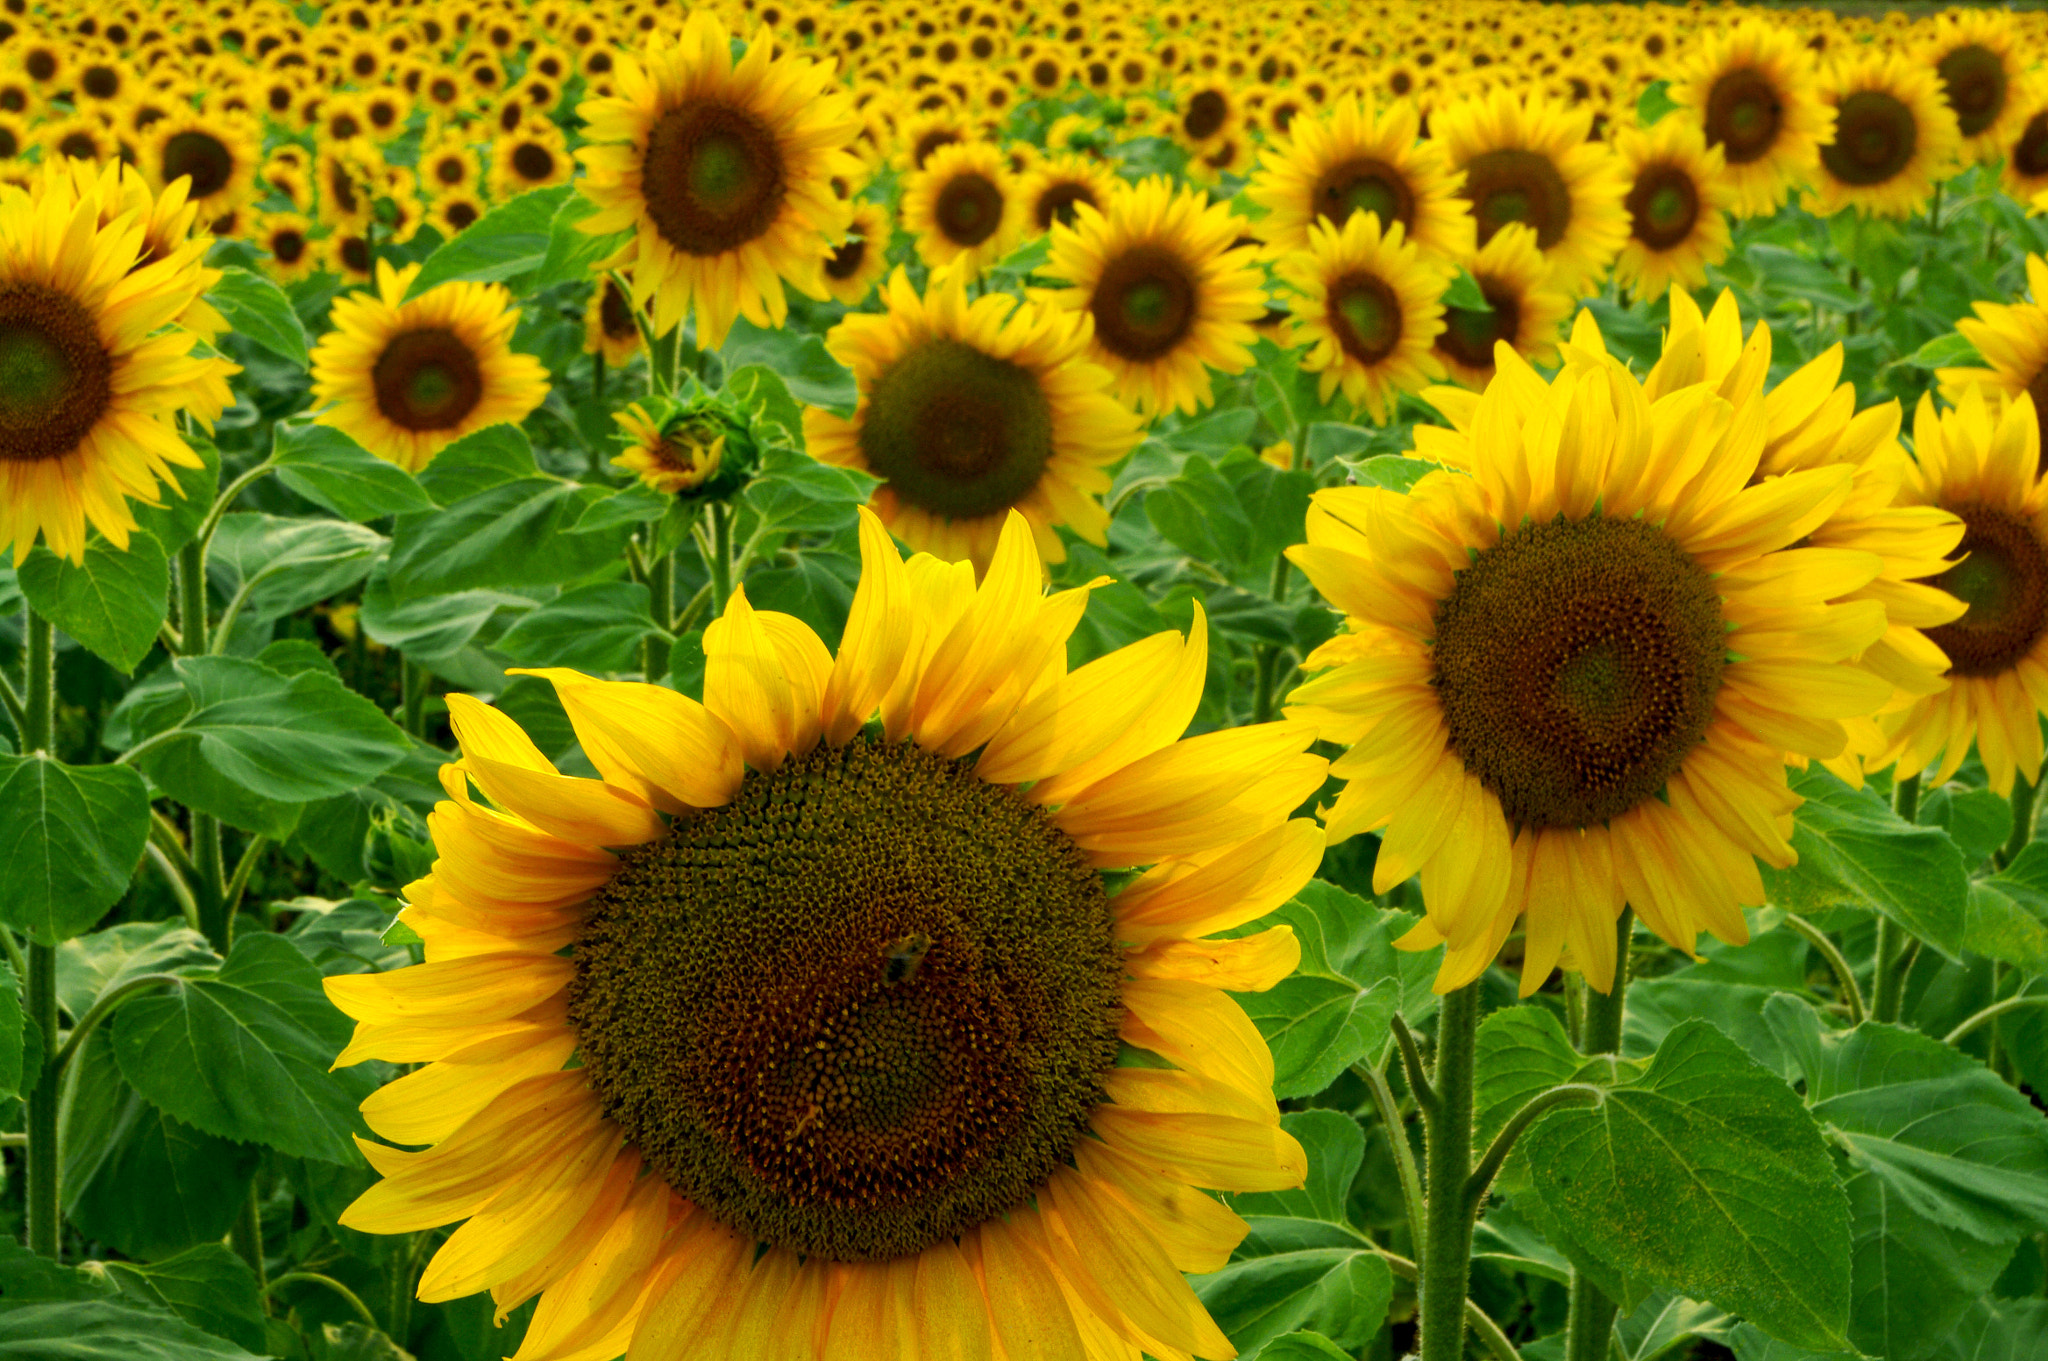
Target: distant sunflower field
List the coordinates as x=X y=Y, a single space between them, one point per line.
x=1023 y=680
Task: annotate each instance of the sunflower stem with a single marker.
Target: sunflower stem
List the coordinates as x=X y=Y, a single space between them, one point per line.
x=247 y=1238
x=1845 y=977
x=1539 y=1105
x=194 y=625
x=1413 y=1067
x=348 y=1296
x=661 y=589
x=718 y=555
x=1589 y=1323
x=2023 y=796
x=414 y=681
x=1993 y=1012
x=39 y=736
x=1397 y=1142
x=17 y=712
x=1447 y=1246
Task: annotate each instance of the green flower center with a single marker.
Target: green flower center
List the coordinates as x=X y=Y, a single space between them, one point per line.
x=1364 y=185
x=1365 y=314
x=2003 y=578
x=1663 y=206
x=955 y=431
x=1144 y=304
x=1513 y=185
x=712 y=177
x=1875 y=138
x=56 y=379
x=1743 y=115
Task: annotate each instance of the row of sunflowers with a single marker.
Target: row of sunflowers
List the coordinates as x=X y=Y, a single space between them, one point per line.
x=1023 y=681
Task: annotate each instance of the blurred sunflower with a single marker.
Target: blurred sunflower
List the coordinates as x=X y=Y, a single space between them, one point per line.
x=93 y=367
x=608 y=325
x=406 y=379
x=533 y=158
x=1370 y=309
x=1205 y=110
x=1894 y=138
x=857 y=264
x=1525 y=308
x=1052 y=189
x=287 y=239
x=1361 y=158
x=999 y=1185
x=968 y=411
x=346 y=252
x=1554 y=661
x=449 y=164
x=1677 y=205
x=1169 y=293
x=1981 y=462
x=1976 y=54
x=453 y=214
x=2025 y=172
x=1754 y=90
x=723 y=172
x=217 y=153
x=2013 y=340
x=1526 y=160
x=963 y=206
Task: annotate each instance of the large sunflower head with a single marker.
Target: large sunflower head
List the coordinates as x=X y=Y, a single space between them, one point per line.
x=844 y=986
x=94 y=365
x=1524 y=309
x=1981 y=462
x=963 y=206
x=1361 y=158
x=2013 y=339
x=408 y=378
x=1055 y=188
x=1574 y=668
x=1677 y=206
x=1975 y=53
x=1894 y=137
x=970 y=410
x=1370 y=308
x=1526 y=160
x=1754 y=90
x=1169 y=293
x=723 y=172
x=857 y=264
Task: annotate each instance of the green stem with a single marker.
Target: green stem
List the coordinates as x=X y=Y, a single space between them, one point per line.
x=354 y=1301
x=414 y=681
x=103 y=1007
x=717 y=554
x=1412 y=1065
x=1447 y=1249
x=247 y=1236
x=179 y=885
x=1906 y=798
x=243 y=868
x=1489 y=1332
x=1888 y=987
x=661 y=590
x=221 y=504
x=1565 y=1094
x=1845 y=977
x=2023 y=796
x=1397 y=1140
x=1265 y=663
x=1589 y=1322
x=39 y=734
x=1993 y=1012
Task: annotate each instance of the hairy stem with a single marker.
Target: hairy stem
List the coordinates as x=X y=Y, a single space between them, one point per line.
x=39 y=735
x=1447 y=1246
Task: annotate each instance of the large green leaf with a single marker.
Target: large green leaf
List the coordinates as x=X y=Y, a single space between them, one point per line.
x=106 y=1330
x=269 y=566
x=207 y=1286
x=800 y=359
x=2008 y=917
x=516 y=533
x=112 y=604
x=572 y=252
x=330 y=469
x=505 y=243
x=1522 y=1051
x=1945 y=1165
x=795 y=493
x=70 y=837
x=433 y=626
x=597 y=628
x=258 y=310
x=1706 y=1176
x=1342 y=1293
x=89 y=967
x=1854 y=851
x=1999 y=1330
x=244 y=1054
x=158 y=1185
x=482 y=459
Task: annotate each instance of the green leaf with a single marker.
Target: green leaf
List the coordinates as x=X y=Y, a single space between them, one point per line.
x=794 y=492
x=513 y=534
x=1342 y=1293
x=290 y=739
x=761 y=393
x=257 y=309
x=347 y=937
x=1999 y=1330
x=432 y=626
x=1788 y=274
x=104 y=1330
x=157 y=1186
x=1977 y=820
x=591 y=628
x=187 y=501
x=1663 y=1321
x=815 y=587
x=2008 y=917
x=634 y=505
x=1654 y=102
x=812 y=375
x=1395 y=472
x=1335 y=1146
x=1706 y=1176
x=572 y=253
x=1854 y=851
x=1949 y=350
x=1299 y=1347
x=112 y=604
x=510 y=240
x=207 y=1286
x=331 y=470
x=1465 y=294
x=244 y=1054
x=1945 y=1165
x=70 y=837
x=1522 y=1051
x=276 y=566
x=89 y=967
x=478 y=461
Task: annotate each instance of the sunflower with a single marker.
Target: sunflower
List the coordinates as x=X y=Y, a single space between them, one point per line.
x=287 y=239
x=1052 y=189
x=533 y=158
x=969 y=411
x=15 y=138
x=218 y=154
x=1572 y=673
x=1677 y=205
x=94 y=368
x=926 y=132
x=856 y=265
x=406 y=379
x=2013 y=338
x=963 y=206
x=1526 y=308
x=1981 y=461
x=347 y=179
x=729 y=1169
x=1205 y=110
x=1753 y=89
x=1894 y=137
x=1526 y=159
x=1168 y=292
x=1361 y=157
x=1370 y=309
x=608 y=326
x=453 y=214
x=723 y=172
x=85 y=137
x=1976 y=55
x=2025 y=173
x=449 y=164
x=692 y=450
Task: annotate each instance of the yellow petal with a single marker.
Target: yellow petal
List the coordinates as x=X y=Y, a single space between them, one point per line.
x=1242 y=884
x=1248 y=964
x=665 y=747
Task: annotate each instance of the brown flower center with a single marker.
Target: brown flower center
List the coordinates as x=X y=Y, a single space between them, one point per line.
x=1365 y=314
x=427 y=380
x=1058 y=201
x=1144 y=304
x=1875 y=137
x=1206 y=114
x=1663 y=206
x=202 y=156
x=969 y=209
x=56 y=378
x=2003 y=578
x=1469 y=334
x=1513 y=185
x=1364 y=185
x=1744 y=114
x=955 y=431
x=1974 y=80
x=713 y=177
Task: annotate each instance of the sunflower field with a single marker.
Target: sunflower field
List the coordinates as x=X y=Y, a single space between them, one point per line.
x=1022 y=680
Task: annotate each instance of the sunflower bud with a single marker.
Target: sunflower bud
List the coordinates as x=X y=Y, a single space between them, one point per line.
x=698 y=450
